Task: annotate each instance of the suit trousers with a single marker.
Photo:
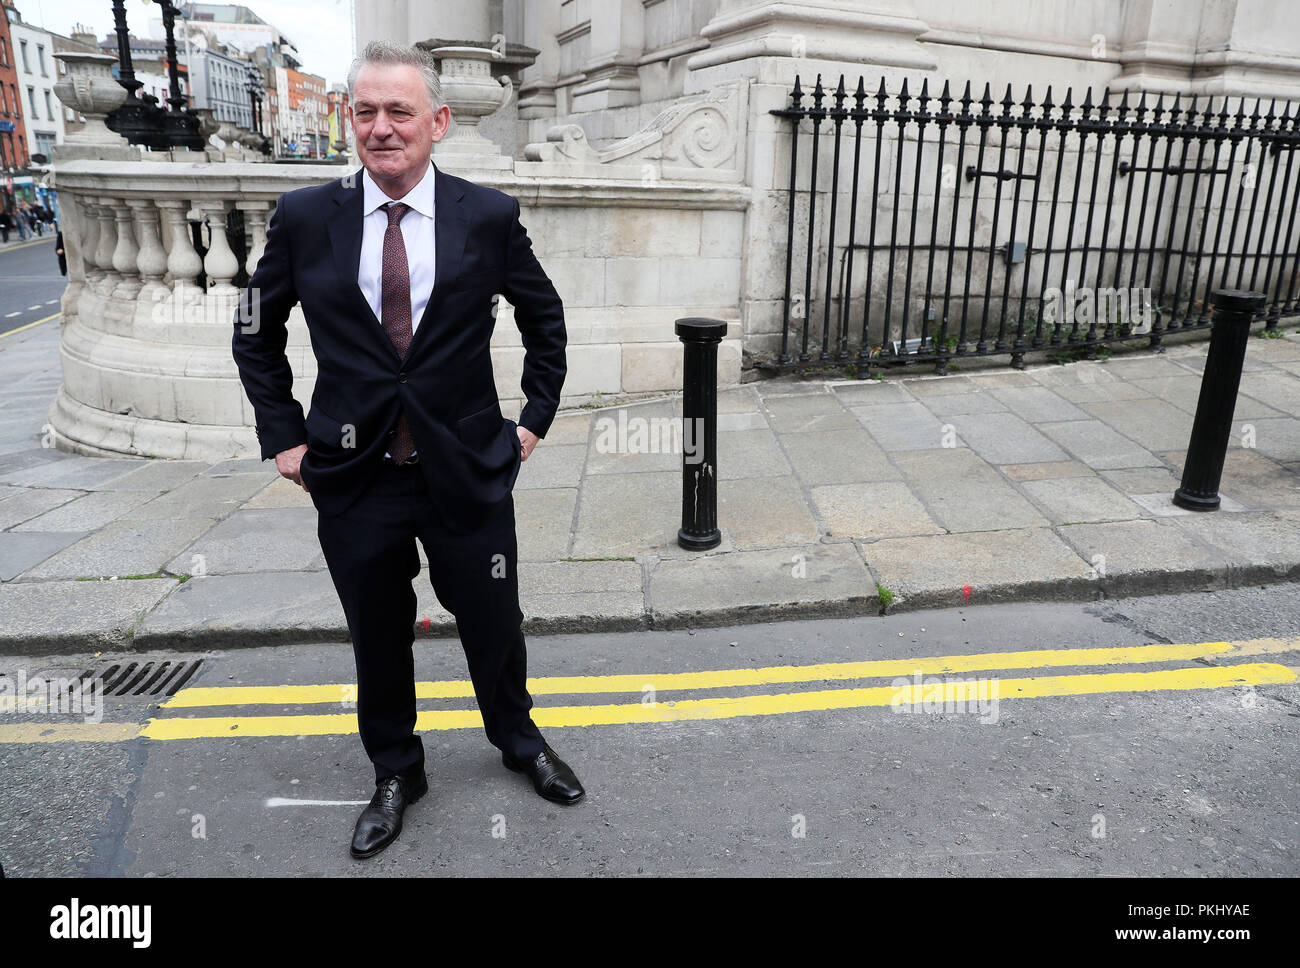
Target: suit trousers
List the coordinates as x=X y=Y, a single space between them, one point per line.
x=371 y=554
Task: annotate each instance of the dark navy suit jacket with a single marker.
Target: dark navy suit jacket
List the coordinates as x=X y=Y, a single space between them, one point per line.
x=469 y=453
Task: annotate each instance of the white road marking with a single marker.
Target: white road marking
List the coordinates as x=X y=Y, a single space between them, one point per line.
x=13 y=314
x=287 y=802
x=37 y=306
x=50 y=302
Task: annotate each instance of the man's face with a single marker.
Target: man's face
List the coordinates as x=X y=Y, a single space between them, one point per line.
x=394 y=122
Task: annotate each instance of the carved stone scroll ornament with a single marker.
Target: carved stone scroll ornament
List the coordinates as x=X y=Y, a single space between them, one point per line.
x=698 y=139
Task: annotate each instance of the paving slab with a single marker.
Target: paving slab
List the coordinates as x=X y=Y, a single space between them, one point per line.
x=1144 y=367
x=1099 y=445
x=904 y=426
x=1258 y=546
x=872 y=393
x=1281 y=349
x=206 y=497
x=1038 y=404
x=964 y=493
x=1276 y=438
x=807 y=412
x=552 y=465
x=747 y=453
x=125 y=547
x=1004 y=438
x=646 y=440
x=1148 y=557
x=1154 y=424
x=837 y=457
x=82 y=473
x=1185 y=393
x=1100 y=392
x=820 y=580
x=19 y=504
x=976 y=401
x=21 y=551
x=163 y=475
x=543 y=519
x=623 y=515
x=1030 y=564
x=1161 y=504
x=571 y=428
x=280 y=493
x=241 y=465
x=234 y=611
x=1081 y=499
x=871 y=511
x=256 y=540
x=1009 y=378
x=581 y=596
x=28 y=458
x=88 y=616
x=88 y=511
x=1274 y=388
x=766 y=512
x=925 y=388
x=1083 y=373
x=1252 y=478
x=1047 y=469
x=1143 y=480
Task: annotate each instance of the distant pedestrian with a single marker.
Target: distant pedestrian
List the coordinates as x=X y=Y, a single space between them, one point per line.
x=58 y=251
x=6 y=223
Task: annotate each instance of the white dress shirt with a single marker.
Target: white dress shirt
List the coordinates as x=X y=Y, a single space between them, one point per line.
x=417 y=233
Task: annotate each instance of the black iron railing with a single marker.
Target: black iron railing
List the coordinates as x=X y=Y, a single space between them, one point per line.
x=1003 y=227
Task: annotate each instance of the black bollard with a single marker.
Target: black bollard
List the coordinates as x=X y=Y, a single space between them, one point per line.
x=1233 y=311
x=700 y=338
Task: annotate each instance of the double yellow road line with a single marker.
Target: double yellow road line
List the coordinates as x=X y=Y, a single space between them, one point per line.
x=654 y=708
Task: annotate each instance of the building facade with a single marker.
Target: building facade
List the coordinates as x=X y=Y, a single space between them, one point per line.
x=35 y=65
x=13 y=130
x=219 y=80
x=262 y=43
x=306 y=128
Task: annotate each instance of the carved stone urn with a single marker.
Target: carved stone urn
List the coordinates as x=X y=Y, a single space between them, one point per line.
x=472 y=94
x=89 y=88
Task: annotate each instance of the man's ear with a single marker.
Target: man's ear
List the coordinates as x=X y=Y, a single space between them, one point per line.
x=441 y=122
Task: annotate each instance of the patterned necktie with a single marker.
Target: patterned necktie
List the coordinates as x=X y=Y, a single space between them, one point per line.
x=395 y=311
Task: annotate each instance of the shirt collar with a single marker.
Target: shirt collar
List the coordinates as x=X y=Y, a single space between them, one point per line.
x=419 y=198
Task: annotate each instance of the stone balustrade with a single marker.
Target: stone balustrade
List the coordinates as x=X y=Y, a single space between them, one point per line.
x=147 y=318
x=147 y=366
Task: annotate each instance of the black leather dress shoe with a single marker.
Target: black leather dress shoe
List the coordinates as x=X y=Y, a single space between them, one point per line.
x=551 y=776
x=381 y=822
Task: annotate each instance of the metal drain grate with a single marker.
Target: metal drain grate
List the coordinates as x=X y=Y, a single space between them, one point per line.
x=147 y=679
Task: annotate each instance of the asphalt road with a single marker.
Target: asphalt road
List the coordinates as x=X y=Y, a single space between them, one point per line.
x=1164 y=762
x=30 y=283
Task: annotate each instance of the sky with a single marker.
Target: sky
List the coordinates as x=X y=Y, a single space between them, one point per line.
x=321 y=29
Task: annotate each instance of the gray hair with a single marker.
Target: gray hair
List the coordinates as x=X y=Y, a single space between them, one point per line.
x=385 y=52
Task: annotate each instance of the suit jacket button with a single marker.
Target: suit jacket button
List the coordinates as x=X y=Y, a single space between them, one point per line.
x=392 y=434
x=401 y=378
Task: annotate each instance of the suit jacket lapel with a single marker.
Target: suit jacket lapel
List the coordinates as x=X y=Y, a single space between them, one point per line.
x=450 y=229
x=344 y=224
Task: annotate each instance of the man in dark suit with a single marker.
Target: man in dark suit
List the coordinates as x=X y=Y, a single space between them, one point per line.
x=396 y=268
